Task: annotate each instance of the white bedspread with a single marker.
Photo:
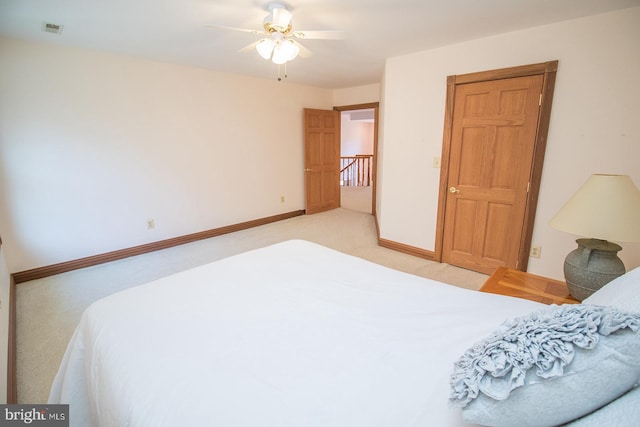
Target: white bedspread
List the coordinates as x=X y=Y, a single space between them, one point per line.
x=294 y=334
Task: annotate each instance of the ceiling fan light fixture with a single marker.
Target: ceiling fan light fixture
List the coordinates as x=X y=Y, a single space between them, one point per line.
x=279 y=43
x=279 y=54
x=284 y=51
x=292 y=49
x=265 y=48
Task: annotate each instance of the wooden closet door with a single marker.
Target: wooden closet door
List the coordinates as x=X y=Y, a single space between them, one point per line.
x=492 y=150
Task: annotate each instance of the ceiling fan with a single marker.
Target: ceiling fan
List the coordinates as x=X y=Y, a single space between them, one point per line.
x=279 y=41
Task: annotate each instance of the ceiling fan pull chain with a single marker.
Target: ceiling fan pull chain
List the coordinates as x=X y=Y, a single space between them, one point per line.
x=280 y=72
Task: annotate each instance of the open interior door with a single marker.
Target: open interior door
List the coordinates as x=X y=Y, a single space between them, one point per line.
x=321 y=160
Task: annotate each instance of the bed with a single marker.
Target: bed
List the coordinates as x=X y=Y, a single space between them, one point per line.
x=293 y=334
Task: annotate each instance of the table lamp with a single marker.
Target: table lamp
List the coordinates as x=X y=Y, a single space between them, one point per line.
x=606 y=207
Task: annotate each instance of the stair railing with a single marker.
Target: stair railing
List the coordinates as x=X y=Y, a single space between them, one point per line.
x=356 y=170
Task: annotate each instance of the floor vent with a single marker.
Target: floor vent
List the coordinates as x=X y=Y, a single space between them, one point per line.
x=48 y=27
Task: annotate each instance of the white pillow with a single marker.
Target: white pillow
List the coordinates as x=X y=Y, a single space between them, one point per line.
x=623 y=292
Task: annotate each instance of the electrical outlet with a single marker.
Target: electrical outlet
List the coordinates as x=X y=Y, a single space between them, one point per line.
x=151 y=224
x=536 y=251
x=436 y=162
x=281 y=199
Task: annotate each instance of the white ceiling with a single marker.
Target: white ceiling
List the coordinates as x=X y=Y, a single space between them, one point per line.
x=176 y=30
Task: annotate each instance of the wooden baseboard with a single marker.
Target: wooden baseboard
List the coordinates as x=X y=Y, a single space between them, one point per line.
x=407 y=249
x=12 y=369
x=40 y=272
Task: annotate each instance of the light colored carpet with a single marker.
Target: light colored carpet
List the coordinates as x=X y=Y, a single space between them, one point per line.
x=49 y=309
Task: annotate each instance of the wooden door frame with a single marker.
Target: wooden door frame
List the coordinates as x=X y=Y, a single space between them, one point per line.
x=548 y=70
x=374 y=173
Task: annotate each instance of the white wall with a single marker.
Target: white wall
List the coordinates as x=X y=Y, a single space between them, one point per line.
x=594 y=123
x=356 y=95
x=92 y=145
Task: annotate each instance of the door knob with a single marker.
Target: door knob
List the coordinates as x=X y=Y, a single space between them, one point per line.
x=453 y=190
x=308 y=170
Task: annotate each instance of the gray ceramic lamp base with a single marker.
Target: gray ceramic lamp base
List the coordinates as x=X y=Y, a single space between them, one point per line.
x=591 y=266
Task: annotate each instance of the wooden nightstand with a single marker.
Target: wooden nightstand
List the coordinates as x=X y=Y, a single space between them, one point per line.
x=505 y=281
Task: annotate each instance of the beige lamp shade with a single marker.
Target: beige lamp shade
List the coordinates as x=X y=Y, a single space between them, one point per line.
x=606 y=207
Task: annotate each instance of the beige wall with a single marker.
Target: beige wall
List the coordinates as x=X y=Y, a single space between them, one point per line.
x=95 y=144
x=594 y=123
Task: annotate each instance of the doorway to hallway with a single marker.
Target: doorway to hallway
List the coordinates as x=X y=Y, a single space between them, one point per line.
x=357 y=148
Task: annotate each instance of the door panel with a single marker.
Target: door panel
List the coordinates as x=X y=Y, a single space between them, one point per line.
x=464 y=219
x=492 y=149
x=497 y=225
x=322 y=160
x=471 y=148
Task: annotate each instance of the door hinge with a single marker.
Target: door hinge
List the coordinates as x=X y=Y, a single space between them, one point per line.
x=540 y=100
x=528 y=186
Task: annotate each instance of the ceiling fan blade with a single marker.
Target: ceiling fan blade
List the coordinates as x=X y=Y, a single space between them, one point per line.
x=304 y=52
x=249 y=47
x=244 y=30
x=319 y=35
